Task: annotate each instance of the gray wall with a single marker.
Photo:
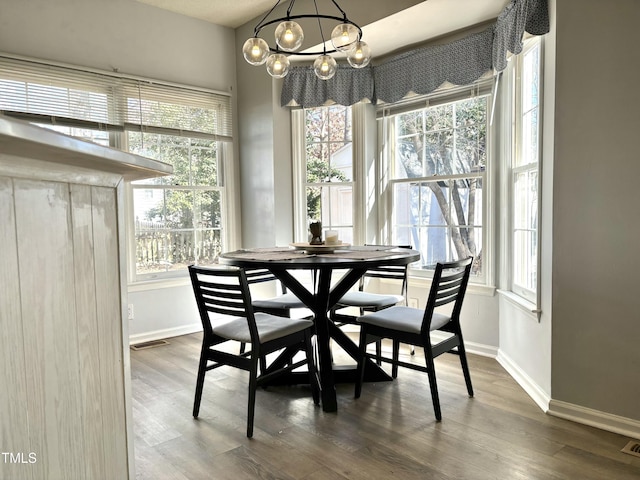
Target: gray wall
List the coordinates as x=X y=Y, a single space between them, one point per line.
x=584 y=350
x=596 y=227
x=129 y=36
x=264 y=152
x=525 y=337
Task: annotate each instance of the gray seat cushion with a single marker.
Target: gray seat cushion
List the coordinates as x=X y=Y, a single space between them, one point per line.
x=270 y=327
x=405 y=319
x=365 y=299
x=286 y=301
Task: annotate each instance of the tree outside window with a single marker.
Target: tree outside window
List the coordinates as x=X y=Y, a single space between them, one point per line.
x=438 y=179
x=329 y=168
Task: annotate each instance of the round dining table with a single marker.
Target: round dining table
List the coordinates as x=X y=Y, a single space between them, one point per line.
x=353 y=261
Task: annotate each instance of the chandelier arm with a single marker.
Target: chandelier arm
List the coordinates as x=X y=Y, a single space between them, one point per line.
x=341 y=11
x=290 y=8
x=324 y=44
x=260 y=24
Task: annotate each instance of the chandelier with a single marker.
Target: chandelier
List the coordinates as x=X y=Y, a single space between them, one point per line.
x=346 y=37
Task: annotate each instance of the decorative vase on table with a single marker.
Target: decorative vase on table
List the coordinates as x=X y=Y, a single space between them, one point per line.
x=316 y=233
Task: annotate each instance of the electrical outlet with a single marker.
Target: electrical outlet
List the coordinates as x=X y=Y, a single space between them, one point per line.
x=413 y=303
x=130 y=311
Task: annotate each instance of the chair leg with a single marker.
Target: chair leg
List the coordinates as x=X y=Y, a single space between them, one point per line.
x=313 y=371
x=396 y=357
x=253 y=386
x=361 y=361
x=263 y=360
x=202 y=369
x=465 y=366
x=379 y=351
x=263 y=363
x=428 y=354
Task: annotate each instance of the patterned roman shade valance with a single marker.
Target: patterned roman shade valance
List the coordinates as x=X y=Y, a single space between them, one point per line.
x=348 y=86
x=424 y=69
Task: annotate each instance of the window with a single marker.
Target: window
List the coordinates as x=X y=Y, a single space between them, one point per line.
x=328 y=169
x=177 y=220
x=524 y=173
x=438 y=165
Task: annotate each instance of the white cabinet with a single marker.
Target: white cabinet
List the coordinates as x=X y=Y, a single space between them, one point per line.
x=64 y=360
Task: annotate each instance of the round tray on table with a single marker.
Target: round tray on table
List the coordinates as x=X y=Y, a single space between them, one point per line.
x=307 y=247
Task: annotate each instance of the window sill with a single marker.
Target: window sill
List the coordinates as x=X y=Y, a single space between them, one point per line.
x=522 y=303
x=472 y=288
x=158 y=283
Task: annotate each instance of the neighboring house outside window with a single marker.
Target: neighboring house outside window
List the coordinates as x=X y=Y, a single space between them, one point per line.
x=325 y=169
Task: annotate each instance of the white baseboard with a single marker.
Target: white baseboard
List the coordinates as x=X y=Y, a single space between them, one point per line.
x=595 y=418
x=166 y=333
x=576 y=413
x=532 y=389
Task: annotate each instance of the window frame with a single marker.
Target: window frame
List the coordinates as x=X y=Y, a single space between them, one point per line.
x=152 y=184
x=300 y=184
x=386 y=129
x=514 y=169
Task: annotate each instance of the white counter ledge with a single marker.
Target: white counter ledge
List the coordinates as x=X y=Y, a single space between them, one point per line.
x=65 y=395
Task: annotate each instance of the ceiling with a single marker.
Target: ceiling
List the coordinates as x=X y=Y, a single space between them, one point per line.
x=425 y=20
x=228 y=13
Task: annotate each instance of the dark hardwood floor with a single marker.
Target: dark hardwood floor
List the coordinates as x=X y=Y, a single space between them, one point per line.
x=390 y=432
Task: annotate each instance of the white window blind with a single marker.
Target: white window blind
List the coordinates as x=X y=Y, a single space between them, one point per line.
x=69 y=96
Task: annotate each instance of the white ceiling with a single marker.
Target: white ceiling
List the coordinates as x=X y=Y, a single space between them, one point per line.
x=428 y=19
x=228 y=13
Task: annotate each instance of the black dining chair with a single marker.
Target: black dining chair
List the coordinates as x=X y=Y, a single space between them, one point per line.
x=373 y=302
x=224 y=304
x=414 y=326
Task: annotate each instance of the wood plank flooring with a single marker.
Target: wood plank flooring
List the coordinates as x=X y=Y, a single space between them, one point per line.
x=390 y=432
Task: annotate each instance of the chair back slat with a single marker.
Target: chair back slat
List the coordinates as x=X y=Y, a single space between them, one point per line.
x=224 y=311
x=224 y=291
x=448 y=290
x=396 y=272
x=262 y=275
x=259 y=276
x=449 y=285
x=227 y=298
x=391 y=272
